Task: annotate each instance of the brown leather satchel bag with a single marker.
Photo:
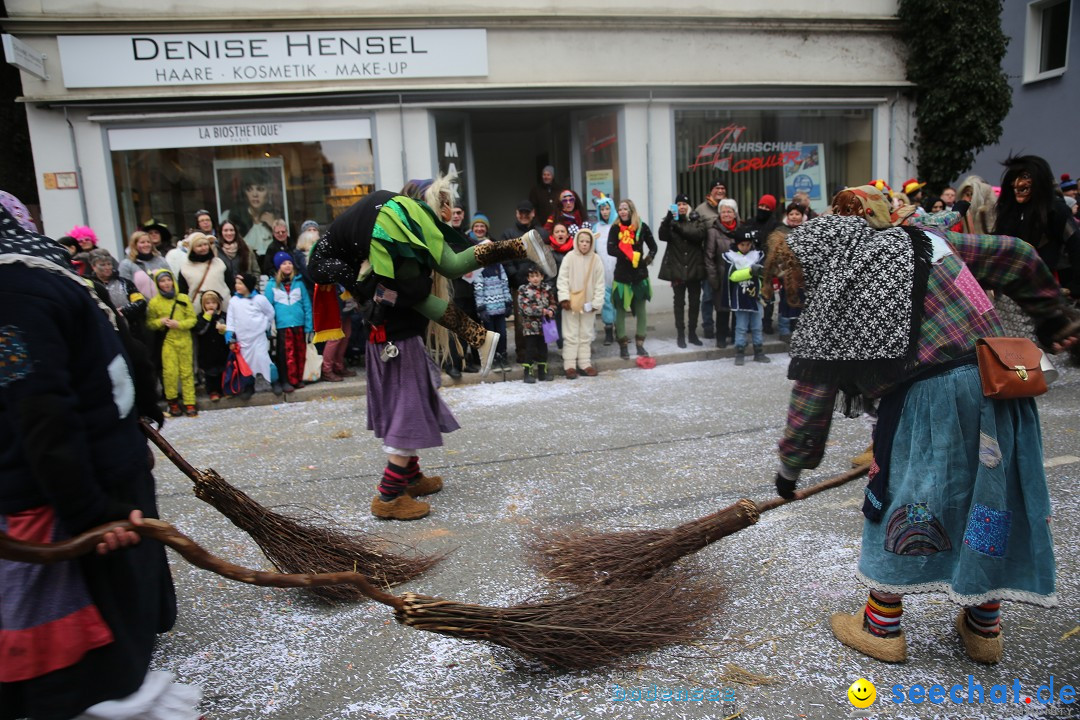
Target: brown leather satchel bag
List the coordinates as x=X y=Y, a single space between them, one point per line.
x=1010 y=368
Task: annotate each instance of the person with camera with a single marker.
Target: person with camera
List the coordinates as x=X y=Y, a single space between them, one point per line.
x=684 y=264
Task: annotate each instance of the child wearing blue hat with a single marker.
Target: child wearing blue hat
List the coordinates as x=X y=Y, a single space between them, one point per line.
x=292 y=316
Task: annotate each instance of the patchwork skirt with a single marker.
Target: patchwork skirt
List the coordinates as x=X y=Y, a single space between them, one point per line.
x=967 y=511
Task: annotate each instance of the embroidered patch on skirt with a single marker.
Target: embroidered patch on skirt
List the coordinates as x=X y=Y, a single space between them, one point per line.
x=913 y=530
x=988 y=530
x=989 y=452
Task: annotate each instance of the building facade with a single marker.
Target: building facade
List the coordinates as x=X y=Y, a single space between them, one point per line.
x=266 y=109
x=1043 y=64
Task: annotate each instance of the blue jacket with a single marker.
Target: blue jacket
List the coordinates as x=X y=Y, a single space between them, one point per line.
x=291 y=309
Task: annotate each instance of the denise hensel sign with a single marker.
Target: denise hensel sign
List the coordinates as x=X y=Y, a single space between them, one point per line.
x=95 y=61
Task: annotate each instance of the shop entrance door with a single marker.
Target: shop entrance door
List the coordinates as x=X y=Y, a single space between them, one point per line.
x=509 y=149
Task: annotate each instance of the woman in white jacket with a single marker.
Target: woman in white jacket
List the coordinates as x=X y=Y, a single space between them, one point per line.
x=581 y=296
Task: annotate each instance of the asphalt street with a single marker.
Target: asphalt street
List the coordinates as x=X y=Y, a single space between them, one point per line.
x=630 y=448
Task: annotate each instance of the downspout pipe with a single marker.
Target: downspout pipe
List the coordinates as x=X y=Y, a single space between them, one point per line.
x=401 y=127
x=648 y=156
x=78 y=168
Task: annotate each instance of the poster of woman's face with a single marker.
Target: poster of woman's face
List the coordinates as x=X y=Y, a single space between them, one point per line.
x=251 y=195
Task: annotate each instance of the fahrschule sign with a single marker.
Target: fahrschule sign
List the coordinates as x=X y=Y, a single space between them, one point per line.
x=97 y=61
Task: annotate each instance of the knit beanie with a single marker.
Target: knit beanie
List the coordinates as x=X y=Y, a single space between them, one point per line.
x=280 y=257
x=482 y=219
x=768 y=201
x=309 y=225
x=1067 y=183
x=682 y=198
x=208 y=294
x=250 y=280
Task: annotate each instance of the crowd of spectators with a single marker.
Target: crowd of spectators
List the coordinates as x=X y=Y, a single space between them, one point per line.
x=727 y=286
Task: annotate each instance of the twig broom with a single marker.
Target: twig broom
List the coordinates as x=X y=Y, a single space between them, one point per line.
x=582 y=557
x=302 y=545
x=599 y=626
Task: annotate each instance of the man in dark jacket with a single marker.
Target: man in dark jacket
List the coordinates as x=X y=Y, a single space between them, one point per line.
x=517 y=271
x=684 y=264
x=545 y=195
x=709 y=210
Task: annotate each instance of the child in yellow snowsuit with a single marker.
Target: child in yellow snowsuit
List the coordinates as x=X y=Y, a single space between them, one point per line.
x=170 y=312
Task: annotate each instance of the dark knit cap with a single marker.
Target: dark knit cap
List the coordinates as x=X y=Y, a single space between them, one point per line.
x=250 y=280
x=682 y=198
x=280 y=257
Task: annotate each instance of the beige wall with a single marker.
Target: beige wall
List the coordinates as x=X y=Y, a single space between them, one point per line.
x=710 y=44
x=699 y=52
x=727 y=58
x=602 y=8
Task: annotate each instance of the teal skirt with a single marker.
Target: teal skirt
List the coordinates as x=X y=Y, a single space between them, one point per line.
x=967 y=512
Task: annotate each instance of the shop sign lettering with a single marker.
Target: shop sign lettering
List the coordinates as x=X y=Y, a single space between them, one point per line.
x=244 y=133
x=241 y=58
x=215 y=134
x=720 y=150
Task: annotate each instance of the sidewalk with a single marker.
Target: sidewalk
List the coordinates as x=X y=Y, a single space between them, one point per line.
x=660 y=343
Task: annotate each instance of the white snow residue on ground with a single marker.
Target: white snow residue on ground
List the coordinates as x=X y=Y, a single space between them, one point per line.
x=628 y=449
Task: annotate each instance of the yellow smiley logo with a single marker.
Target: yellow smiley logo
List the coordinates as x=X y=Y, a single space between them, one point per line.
x=862 y=693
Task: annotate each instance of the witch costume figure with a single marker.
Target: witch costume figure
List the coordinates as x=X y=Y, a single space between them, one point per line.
x=957 y=501
x=386 y=246
x=77 y=635
x=393 y=254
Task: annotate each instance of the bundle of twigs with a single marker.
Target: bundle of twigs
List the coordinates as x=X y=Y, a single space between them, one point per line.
x=596 y=627
x=303 y=545
x=583 y=557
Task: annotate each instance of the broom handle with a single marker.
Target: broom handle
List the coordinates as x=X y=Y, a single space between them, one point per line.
x=154 y=435
x=826 y=484
x=46 y=553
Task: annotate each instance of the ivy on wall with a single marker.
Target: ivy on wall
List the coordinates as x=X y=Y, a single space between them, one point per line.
x=961 y=94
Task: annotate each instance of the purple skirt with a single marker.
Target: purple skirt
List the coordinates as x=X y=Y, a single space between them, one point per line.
x=403 y=402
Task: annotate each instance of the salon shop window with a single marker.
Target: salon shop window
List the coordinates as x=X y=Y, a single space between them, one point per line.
x=777 y=151
x=250 y=173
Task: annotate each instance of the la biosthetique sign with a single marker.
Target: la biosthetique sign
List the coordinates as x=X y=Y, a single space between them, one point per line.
x=98 y=61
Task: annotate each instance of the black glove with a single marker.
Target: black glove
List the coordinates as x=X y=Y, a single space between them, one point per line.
x=785 y=488
x=757 y=270
x=962 y=207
